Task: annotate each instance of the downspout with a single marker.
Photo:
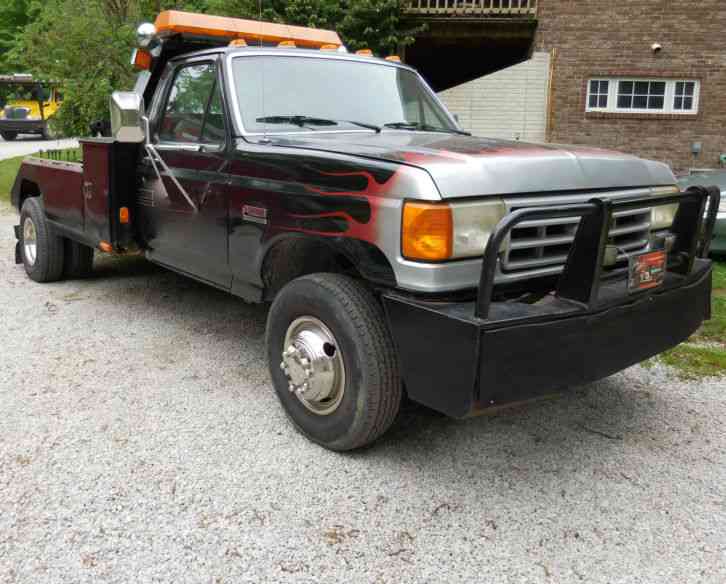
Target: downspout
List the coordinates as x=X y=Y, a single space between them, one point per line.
x=549 y=129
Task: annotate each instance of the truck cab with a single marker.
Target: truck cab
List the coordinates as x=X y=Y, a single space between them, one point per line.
x=400 y=255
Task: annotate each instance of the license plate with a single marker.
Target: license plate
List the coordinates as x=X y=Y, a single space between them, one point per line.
x=646 y=270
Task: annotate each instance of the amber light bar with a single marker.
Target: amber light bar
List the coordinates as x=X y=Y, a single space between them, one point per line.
x=205 y=25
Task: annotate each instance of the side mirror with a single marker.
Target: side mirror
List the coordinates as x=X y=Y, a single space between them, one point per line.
x=127 y=117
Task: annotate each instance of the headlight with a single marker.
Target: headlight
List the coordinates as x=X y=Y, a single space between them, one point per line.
x=662 y=216
x=444 y=231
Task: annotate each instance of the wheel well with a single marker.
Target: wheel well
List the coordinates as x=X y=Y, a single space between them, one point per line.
x=296 y=257
x=27 y=189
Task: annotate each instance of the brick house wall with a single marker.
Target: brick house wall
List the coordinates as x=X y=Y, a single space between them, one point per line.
x=612 y=38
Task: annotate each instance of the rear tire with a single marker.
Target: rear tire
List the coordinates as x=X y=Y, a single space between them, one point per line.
x=9 y=136
x=40 y=248
x=350 y=327
x=78 y=261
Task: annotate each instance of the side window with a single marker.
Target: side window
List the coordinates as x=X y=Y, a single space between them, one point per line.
x=213 y=132
x=186 y=104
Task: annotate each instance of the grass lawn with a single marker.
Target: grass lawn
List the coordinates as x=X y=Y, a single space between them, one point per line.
x=8 y=170
x=703 y=355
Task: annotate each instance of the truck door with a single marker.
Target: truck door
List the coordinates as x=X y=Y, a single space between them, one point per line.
x=182 y=197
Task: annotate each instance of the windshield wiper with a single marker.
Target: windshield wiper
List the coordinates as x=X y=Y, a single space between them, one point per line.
x=313 y=121
x=423 y=127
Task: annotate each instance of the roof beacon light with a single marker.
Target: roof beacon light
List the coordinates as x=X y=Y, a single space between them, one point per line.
x=205 y=26
x=329 y=48
x=238 y=43
x=394 y=58
x=286 y=44
x=364 y=52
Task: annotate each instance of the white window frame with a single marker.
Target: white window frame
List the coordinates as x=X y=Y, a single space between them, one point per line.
x=668 y=103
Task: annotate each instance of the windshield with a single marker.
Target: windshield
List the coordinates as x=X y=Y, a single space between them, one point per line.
x=24 y=93
x=293 y=94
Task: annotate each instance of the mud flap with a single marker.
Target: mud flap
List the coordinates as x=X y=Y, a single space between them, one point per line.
x=18 y=256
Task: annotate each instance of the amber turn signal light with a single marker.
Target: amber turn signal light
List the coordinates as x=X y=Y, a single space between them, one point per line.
x=123 y=215
x=427 y=232
x=142 y=59
x=105 y=246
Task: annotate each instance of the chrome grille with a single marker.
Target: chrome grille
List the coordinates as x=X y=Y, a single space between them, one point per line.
x=546 y=243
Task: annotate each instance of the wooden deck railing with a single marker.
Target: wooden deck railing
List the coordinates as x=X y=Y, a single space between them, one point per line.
x=472 y=7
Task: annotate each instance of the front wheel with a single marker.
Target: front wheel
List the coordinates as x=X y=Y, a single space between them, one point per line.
x=332 y=361
x=9 y=136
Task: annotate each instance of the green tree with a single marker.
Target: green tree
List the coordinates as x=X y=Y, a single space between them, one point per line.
x=86 y=44
x=14 y=17
x=374 y=24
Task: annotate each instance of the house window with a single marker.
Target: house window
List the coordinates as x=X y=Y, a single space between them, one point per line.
x=649 y=96
x=641 y=95
x=684 y=99
x=598 y=97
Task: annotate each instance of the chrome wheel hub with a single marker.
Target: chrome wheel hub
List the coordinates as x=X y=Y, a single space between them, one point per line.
x=30 y=241
x=313 y=365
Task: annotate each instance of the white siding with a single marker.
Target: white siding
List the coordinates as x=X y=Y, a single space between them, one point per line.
x=510 y=104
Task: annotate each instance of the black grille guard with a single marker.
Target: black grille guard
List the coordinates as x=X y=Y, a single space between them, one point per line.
x=581 y=278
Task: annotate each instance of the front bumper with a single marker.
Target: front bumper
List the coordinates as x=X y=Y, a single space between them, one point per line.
x=22 y=126
x=461 y=357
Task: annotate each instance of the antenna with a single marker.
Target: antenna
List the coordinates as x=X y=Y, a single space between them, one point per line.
x=262 y=85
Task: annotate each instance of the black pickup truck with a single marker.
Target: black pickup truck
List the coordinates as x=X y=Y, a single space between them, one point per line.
x=399 y=254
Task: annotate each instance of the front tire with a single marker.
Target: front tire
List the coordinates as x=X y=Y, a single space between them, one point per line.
x=40 y=248
x=332 y=361
x=9 y=136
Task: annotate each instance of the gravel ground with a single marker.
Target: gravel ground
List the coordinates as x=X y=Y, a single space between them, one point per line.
x=140 y=441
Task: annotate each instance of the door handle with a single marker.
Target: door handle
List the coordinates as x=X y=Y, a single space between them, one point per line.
x=210 y=148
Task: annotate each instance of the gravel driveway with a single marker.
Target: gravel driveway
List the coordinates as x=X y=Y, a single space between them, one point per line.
x=140 y=441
